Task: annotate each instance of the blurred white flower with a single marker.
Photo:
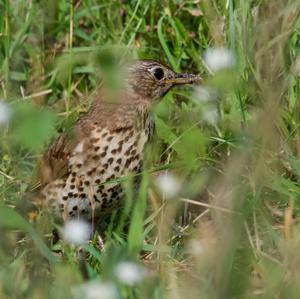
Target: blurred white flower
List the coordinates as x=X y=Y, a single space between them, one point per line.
x=168 y=185
x=195 y=247
x=76 y=232
x=211 y=115
x=5 y=113
x=204 y=94
x=219 y=58
x=96 y=290
x=130 y=273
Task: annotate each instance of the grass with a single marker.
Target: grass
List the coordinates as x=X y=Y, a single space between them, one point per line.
x=234 y=230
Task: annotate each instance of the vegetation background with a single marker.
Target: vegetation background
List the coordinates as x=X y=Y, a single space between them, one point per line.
x=233 y=229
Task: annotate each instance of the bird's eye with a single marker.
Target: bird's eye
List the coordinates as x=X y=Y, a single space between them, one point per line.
x=158 y=73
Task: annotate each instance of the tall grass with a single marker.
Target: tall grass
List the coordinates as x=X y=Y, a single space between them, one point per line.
x=232 y=231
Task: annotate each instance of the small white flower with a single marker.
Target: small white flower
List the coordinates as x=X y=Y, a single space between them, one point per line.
x=211 y=115
x=96 y=290
x=195 y=247
x=168 y=185
x=204 y=94
x=219 y=58
x=5 y=113
x=130 y=273
x=76 y=232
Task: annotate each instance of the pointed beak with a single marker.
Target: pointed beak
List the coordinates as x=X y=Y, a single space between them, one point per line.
x=184 y=78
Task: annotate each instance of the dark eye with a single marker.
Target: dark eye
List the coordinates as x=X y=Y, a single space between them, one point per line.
x=158 y=73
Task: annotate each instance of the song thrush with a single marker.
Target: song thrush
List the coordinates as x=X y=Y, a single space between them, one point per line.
x=78 y=173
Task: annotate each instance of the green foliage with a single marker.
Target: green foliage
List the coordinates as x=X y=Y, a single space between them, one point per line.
x=233 y=231
x=32 y=127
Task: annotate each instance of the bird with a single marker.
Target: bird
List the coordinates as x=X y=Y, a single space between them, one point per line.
x=78 y=175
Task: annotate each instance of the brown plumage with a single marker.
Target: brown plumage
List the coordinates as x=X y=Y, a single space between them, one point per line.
x=78 y=173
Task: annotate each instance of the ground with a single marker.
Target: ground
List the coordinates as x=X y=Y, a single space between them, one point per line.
x=217 y=214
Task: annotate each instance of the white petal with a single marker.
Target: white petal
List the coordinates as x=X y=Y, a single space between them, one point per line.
x=96 y=290
x=129 y=273
x=168 y=185
x=5 y=113
x=76 y=232
x=219 y=58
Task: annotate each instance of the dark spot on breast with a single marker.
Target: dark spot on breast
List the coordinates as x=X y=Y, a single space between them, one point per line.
x=115 y=194
x=80 y=189
x=96 y=157
x=65 y=197
x=72 y=186
x=104 y=134
x=96 y=148
x=73 y=180
x=118 y=130
x=71 y=213
x=136 y=168
x=105 y=148
x=128 y=162
x=103 y=154
x=73 y=173
x=94 y=140
x=117 y=169
x=105 y=166
x=127 y=152
x=114 y=151
x=111 y=177
x=70 y=194
x=87 y=183
x=78 y=165
x=98 y=181
x=82 y=195
x=110 y=160
x=110 y=138
x=133 y=152
x=75 y=208
x=96 y=198
x=119 y=161
x=89 y=173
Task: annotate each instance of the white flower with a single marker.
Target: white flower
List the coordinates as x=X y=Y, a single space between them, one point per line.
x=204 y=94
x=96 y=290
x=5 y=113
x=211 y=115
x=76 y=232
x=168 y=185
x=195 y=247
x=219 y=58
x=130 y=273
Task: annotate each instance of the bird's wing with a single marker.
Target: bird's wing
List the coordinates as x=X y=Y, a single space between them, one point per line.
x=54 y=163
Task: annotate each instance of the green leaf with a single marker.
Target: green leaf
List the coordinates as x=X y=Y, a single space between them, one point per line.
x=32 y=127
x=12 y=220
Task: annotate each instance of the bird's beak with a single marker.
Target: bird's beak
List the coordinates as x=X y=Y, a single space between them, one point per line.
x=184 y=78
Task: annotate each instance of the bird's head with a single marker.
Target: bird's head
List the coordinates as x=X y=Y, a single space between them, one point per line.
x=151 y=79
